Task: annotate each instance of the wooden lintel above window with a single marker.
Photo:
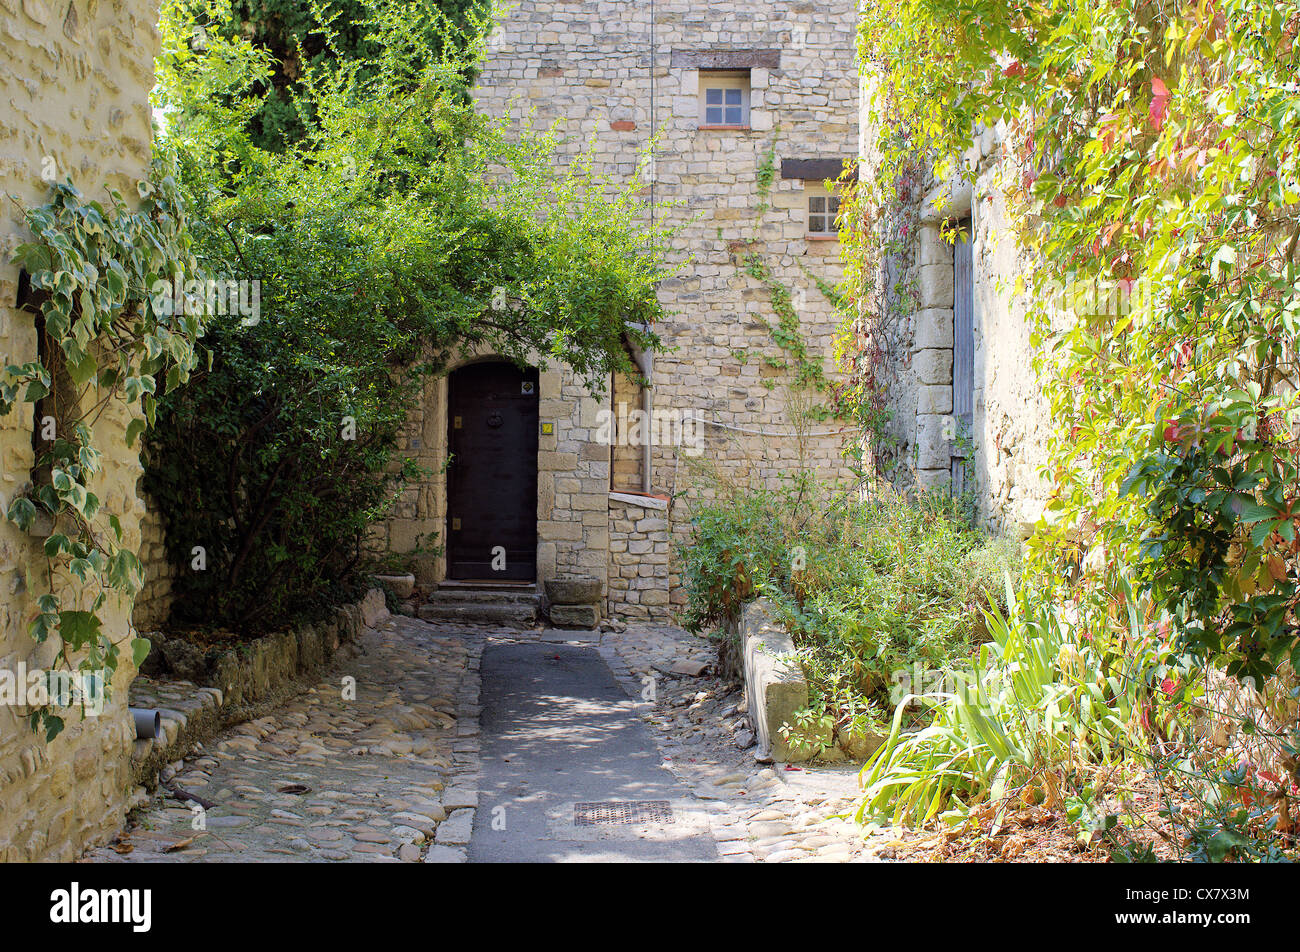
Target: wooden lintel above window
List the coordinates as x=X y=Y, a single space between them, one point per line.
x=726 y=59
x=818 y=170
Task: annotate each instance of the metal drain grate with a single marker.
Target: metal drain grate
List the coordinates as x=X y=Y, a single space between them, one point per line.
x=611 y=812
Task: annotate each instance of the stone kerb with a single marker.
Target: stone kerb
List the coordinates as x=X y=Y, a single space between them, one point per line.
x=775 y=686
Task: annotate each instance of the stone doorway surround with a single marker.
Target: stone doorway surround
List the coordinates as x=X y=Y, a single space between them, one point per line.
x=573 y=477
x=932 y=343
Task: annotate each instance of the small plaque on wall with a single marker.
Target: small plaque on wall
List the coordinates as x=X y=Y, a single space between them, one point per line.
x=548 y=429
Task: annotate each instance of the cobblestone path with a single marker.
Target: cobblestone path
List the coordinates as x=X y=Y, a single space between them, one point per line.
x=393 y=774
x=326 y=778
x=761 y=812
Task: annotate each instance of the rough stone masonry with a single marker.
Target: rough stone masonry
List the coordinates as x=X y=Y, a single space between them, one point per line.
x=743 y=180
x=77 y=77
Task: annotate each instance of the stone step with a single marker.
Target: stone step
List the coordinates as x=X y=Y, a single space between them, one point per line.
x=506 y=613
x=483 y=596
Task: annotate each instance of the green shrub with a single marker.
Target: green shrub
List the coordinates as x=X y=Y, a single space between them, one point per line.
x=866 y=586
x=252 y=463
x=400 y=229
x=736 y=546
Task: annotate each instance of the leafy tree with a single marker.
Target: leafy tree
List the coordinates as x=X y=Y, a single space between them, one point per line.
x=291 y=34
x=400 y=228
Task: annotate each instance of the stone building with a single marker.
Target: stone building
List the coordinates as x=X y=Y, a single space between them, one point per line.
x=76 y=78
x=755 y=106
x=966 y=408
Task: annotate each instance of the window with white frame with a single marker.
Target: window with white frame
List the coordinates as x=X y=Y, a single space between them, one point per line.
x=823 y=209
x=724 y=98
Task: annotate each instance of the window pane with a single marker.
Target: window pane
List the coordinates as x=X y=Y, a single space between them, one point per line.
x=733 y=97
x=713 y=97
x=817 y=204
x=833 y=206
x=734 y=116
x=713 y=116
x=816 y=224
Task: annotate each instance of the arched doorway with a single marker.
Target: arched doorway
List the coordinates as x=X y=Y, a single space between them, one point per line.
x=492 y=478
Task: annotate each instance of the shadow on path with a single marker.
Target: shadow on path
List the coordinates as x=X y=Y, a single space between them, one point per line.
x=557 y=728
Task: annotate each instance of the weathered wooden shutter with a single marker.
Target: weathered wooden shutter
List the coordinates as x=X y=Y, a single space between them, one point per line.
x=963 y=351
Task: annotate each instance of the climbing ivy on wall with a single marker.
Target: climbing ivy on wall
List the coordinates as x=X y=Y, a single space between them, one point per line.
x=879 y=225
x=766 y=174
x=93 y=267
x=805 y=368
x=1153 y=166
x=786 y=333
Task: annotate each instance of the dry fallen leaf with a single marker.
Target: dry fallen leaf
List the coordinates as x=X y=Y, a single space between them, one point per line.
x=179 y=845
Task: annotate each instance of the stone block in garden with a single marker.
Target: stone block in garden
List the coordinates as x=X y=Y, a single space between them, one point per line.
x=573 y=591
x=402 y=586
x=575 y=616
x=774 y=683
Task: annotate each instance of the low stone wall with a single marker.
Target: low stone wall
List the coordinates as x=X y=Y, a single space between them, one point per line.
x=200 y=695
x=639 y=549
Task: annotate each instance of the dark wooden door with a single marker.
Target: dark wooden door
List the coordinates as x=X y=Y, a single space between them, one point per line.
x=963 y=351
x=492 y=479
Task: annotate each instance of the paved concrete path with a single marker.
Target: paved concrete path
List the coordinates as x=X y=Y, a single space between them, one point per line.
x=557 y=729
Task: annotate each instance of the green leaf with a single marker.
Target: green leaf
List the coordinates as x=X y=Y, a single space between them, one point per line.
x=133 y=430
x=53 y=726
x=84 y=369
x=139 y=651
x=22 y=512
x=1255 y=512
x=78 y=628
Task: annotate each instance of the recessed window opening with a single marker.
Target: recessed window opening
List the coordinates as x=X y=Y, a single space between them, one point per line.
x=724 y=98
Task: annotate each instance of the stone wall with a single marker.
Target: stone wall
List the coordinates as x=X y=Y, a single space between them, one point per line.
x=1010 y=420
x=76 y=77
x=573 y=472
x=153 y=604
x=639 y=554
x=611 y=76
x=587 y=67
x=1012 y=417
